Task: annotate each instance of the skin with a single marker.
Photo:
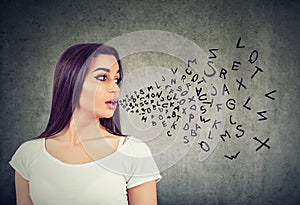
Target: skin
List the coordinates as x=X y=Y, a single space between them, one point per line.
x=82 y=139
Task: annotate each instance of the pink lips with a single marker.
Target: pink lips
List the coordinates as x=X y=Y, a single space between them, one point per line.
x=112 y=103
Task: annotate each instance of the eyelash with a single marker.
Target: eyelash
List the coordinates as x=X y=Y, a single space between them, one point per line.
x=103 y=78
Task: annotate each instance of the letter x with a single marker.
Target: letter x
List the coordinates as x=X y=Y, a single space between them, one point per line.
x=191 y=99
x=241 y=84
x=262 y=143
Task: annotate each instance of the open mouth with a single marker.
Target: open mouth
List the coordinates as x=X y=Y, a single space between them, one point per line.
x=112 y=103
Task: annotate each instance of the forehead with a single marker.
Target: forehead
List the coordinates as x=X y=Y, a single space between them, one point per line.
x=104 y=61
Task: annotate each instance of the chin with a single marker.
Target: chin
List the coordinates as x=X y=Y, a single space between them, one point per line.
x=106 y=115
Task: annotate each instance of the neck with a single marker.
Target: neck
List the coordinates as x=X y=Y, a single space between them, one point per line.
x=82 y=129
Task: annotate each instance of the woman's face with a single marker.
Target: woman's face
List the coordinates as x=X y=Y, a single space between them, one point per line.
x=100 y=90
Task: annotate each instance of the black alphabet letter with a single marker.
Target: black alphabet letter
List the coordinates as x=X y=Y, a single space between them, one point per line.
x=186 y=140
x=219 y=107
x=204 y=146
x=230 y=120
x=238 y=44
x=257 y=69
x=246 y=103
x=215 y=124
x=215 y=89
x=225 y=89
x=211 y=50
x=192 y=61
x=261 y=113
x=241 y=84
x=224 y=135
x=241 y=130
x=235 y=65
x=174 y=71
x=213 y=69
x=223 y=72
x=232 y=157
x=202 y=119
x=268 y=94
x=251 y=60
x=232 y=105
x=187 y=71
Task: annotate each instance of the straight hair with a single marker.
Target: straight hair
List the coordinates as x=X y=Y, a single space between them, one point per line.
x=70 y=72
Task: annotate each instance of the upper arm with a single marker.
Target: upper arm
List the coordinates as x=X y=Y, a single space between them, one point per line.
x=143 y=194
x=22 y=190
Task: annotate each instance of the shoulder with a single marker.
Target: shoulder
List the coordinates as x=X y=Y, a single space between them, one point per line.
x=29 y=150
x=136 y=147
x=141 y=162
x=25 y=156
x=31 y=145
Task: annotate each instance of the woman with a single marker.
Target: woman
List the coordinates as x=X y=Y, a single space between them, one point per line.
x=82 y=157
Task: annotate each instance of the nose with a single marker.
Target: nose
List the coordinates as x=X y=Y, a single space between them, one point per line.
x=113 y=87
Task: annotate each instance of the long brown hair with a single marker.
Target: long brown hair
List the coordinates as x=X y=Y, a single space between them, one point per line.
x=70 y=72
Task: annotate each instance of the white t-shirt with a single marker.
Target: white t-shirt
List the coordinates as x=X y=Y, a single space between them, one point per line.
x=104 y=181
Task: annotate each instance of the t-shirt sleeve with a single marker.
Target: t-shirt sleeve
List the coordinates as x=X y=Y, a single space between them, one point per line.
x=21 y=160
x=144 y=168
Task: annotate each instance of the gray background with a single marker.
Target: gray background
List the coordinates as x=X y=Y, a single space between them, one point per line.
x=34 y=34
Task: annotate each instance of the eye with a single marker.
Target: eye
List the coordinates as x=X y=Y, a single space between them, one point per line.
x=101 y=77
x=117 y=80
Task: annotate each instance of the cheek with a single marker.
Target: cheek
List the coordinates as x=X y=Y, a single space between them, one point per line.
x=99 y=95
x=92 y=96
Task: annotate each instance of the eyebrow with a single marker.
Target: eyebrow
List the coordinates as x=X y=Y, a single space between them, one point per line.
x=105 y=69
